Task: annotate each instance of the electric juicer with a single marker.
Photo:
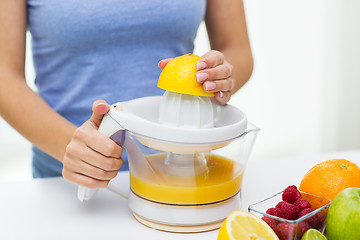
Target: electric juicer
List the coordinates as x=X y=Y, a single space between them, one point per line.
x=186 y=156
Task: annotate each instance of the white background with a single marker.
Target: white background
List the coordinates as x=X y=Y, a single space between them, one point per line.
x=303 y=93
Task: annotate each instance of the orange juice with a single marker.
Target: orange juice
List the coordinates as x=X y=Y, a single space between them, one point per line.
x=221 y=180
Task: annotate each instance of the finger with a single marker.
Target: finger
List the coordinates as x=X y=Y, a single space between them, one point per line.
x=94 y=158
x=164 y=62
x=98 y=160
x=100 y=108
x=210 y=59
x=96 y=173
x=219 y=85
x=222 y=71
x=76 y=165
x=83 y=180
x=221 y=97
x=97 y=141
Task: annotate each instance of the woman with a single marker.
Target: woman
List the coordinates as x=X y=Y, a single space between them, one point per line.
x=84 y=51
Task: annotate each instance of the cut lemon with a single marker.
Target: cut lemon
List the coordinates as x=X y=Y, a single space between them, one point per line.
x=179 y=75
x=313 y=234
x=241 y=225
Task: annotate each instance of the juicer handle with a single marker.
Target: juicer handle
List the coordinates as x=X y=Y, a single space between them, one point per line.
x=109 y=127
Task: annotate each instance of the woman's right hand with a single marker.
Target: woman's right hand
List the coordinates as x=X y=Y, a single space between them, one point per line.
x=91 y=158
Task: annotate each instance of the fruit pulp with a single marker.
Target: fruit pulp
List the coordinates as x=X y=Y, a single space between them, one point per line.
x=221 y=180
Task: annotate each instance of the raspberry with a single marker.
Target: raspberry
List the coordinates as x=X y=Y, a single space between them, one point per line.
x=286 y=231
x=274 y=211
x=305 y=211
x=291 y=194
x=317 y=221
x=278 y=206
x=271 y=222
x=302 y=204
x=301 y=228
x=289 y=211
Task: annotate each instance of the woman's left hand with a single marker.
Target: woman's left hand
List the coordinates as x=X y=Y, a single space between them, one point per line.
x=215 y=73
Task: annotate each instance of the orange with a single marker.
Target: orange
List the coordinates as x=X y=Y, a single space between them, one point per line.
x=244 y=225
x=179 y=75
x=328 y=178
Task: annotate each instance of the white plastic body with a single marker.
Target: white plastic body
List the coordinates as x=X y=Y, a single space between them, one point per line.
x=184 y=110
x=141 y=117
x=183 y=215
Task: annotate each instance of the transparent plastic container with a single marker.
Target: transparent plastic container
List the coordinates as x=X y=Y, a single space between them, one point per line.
x=292 y=229
x=186 y=188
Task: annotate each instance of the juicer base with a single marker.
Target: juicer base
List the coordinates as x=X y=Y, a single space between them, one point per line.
x=173 y=218
x=179 y=228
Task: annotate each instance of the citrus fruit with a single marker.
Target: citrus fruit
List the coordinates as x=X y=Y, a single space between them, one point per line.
x=328 y=178
x=313 y=234
x=179 y=75
x=244 y=225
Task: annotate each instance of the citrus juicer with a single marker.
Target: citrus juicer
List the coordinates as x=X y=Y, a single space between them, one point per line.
x=182 y=178
x=186 y=156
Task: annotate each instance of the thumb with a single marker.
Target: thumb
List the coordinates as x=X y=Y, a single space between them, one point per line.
x=99 y=108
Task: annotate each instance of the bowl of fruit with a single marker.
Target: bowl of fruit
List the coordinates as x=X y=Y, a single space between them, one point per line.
x=290 y=213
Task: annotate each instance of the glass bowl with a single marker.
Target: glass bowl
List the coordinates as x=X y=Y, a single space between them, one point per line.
x=293 y=229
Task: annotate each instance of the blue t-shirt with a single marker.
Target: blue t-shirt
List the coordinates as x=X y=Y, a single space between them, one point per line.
x=105 y=49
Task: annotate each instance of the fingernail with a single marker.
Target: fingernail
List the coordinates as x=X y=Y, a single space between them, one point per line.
x=201 y=65
x=159 y=63
x=202 y=76
x=209 y=86
x=221 y=94
x=102 y=105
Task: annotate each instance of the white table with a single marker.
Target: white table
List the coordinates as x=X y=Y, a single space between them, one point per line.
x=49 y=208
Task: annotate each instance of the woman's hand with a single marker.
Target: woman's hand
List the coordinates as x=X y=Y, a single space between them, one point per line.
x=215 y=73
x=91 y=158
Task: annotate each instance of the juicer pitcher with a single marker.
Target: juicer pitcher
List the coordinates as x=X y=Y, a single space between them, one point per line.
x=181 y=179
x=188 y=192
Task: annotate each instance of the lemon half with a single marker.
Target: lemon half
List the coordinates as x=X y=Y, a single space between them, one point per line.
x=244 y=225
x=179 y=75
